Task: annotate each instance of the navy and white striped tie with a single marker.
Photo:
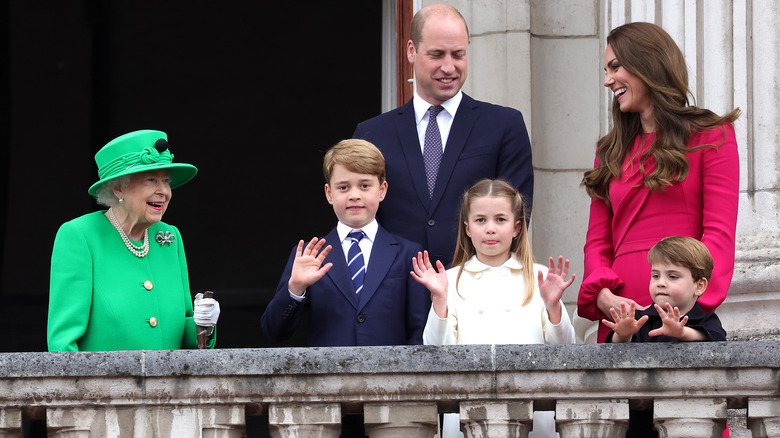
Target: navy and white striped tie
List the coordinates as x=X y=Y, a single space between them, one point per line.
x=357 y=266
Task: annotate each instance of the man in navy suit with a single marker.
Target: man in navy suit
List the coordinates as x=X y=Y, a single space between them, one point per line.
x=479 y=139
x=358 y=288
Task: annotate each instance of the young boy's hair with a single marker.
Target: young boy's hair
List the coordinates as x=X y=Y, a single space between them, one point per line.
x=683 y=251
x=357 y=156
x=521 y=245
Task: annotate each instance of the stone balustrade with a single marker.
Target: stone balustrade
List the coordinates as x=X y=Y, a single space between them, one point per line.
x=400 y=391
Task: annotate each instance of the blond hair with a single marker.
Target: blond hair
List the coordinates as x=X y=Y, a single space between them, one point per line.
x=359 y=156
x=521 y=245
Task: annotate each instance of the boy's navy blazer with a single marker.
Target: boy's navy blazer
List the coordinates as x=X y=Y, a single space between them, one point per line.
x=391 y=309
x=485 y=141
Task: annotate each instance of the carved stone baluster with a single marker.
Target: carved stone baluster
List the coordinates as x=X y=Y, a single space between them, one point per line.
x=202 y=421
x=222 y=421
x=700 y=417
x=401 y=420
x=70 y=422
x=764 y=417
x=602 y=418
x=10 y=423
x=318 y=420
x=485 y=419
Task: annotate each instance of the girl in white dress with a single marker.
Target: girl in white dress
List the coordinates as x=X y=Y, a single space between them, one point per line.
x=490 y=295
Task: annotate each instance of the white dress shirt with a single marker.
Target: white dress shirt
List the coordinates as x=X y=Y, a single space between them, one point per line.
x=366 y=243
x=444 y=119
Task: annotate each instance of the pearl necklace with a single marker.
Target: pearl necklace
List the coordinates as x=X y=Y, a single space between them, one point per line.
x=138 y=251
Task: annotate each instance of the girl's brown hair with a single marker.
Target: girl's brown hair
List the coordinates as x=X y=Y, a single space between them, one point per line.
x=521 y=245
x=649 y=53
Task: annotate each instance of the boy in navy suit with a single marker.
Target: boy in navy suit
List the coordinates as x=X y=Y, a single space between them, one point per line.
x=358 y=287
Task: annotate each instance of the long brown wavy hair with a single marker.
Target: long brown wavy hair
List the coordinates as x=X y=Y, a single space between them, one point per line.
x=521 y=245
x=649 y=53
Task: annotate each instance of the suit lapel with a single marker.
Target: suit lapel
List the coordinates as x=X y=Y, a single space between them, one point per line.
x=465 y=117
x=383 y=253
x=406 y=126
x=339 y=272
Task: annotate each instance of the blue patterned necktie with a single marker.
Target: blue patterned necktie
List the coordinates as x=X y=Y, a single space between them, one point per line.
x=432 y=149
x=357 y=266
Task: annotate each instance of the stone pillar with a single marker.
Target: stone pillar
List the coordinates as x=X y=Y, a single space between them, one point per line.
x=401 y=420
x=565 y=126
x=764 y=417
x=750 y=311
x=10 y=423
x=320 y=420
x=486 y=419
x=679 y=418
x=602 y=418
x=100 y=421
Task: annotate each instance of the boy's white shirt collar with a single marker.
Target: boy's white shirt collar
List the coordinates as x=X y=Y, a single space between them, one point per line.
x=369 y=230
x=421 y=106
x=474 y=265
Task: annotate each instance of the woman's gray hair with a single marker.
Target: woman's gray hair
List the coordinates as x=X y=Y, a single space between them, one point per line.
x=105 y=193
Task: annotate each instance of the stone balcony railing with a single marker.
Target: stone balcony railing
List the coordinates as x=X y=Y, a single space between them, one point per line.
x=400 y=391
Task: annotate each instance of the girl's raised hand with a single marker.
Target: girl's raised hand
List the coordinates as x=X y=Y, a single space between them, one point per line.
x=435 y=280
x=553 y=286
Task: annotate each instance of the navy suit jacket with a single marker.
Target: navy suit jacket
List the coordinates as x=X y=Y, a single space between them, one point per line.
x=391 y=309
x=485 y=141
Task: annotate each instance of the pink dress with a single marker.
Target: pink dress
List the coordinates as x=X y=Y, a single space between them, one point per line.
x=703 y=206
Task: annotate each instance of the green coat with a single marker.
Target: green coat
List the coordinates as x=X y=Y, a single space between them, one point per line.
x=98 y=297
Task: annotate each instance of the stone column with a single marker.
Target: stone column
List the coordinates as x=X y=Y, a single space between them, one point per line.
x=100 y=421
x=322 y=420
x=679 y=418
x=486 y=419
x=602 y=418
x=750 y=311
x=764 y=417
x=10 y=423
x=566 y=66
x=401 y=420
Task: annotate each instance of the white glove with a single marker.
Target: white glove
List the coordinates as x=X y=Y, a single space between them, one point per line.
x=206 y=311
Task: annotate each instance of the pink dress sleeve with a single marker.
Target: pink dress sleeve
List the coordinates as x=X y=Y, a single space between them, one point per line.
x=599 y=254
x=720 y=199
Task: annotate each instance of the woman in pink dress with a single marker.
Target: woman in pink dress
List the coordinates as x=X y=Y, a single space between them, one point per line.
x=666 y=168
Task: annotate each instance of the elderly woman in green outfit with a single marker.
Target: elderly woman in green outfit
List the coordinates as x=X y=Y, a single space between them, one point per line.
x=119 y=277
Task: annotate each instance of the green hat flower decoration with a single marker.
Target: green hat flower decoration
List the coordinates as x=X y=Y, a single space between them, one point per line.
x=136 y=152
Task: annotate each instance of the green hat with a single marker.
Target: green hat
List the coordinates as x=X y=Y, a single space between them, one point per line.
x=139 y=151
